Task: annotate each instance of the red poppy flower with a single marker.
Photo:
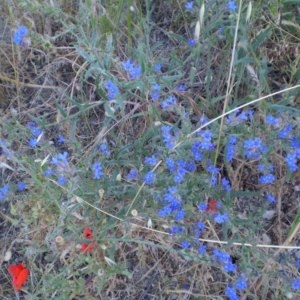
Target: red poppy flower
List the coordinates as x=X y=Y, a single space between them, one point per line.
x=88 y=233
x=212 y=206
x=19 y=275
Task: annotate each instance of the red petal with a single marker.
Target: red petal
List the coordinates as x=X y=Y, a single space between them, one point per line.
x=88 y=233
x=14 y=270
x=19 y=275
x=21 y=279
x=212 y=206
x=86 y=248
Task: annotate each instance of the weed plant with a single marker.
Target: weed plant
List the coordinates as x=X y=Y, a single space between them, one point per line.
x=150 y=149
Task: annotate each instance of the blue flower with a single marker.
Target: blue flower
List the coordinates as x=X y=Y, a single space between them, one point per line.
x=198 y=228
x=226 y=184
x=150 y=160
x=190 y=166
x=155 y=91
x=4 y=191
x=222 y=256
x=191 y=42
x=179 y=216
x=112 y=90
x=181 y=88
x=19 y=34
x=5 y=150
x=32 y=142
x=206 y=142
x=270 y=198
x=60 y=160
x=186 y=245
x=177 y=229
x=48 y=172
x=230 y=292
x=221 y=218
x=295 y=285
x=230 y=267
x=179 y=175
x=171 y=100
x=170 y=163
x=21 y=186
x=265 y=168
x=213 y=170
x=189 y=5
x=132 y=175
x=231 y=5
x=103 y=149
x=271 y=120
x=238 y=117
x=165 y=211
x=34 y=129
x=179 y=170
x=196 y=151
x=285 y=132
x=202 y=249
x=62 y=180
x=291 y=160
x=157 y=68
x=60 y=139
x=168 y=138
x=230 y=148
x=266 y=179
x=202 y=206
x=225 y=259
x=241 y=284
x=149 y=178
x=97 y=170
x=295 y=142
x=172 y=204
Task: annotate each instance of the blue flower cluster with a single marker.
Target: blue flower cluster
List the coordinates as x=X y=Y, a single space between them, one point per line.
x=267 y=177
x=20 y=34
x=296 y=284
x=225 y=260
x=270 y=198
x=112 y=90
x=254 y=148
x=133 y=71
x=172 y=204
x=36 y=133
x=149 y=178
x=230 y=148
x=204 y=142
x=97 y=170
x=232 y=6
x=155 y=92
x=168 y=136
x=60 y=168
x=239 y=117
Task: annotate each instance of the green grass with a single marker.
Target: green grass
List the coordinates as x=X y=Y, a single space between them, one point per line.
x=243 y=61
